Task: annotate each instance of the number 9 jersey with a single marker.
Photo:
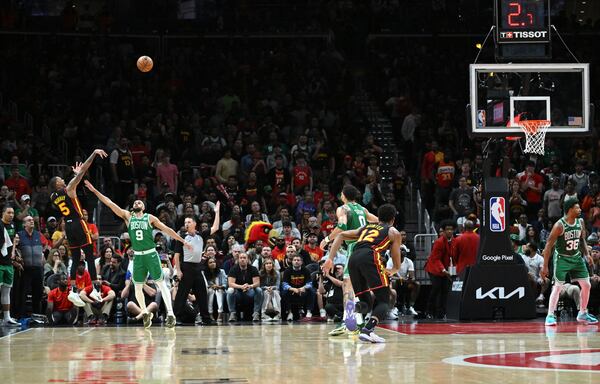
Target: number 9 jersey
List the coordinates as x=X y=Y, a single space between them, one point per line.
x=77 y=230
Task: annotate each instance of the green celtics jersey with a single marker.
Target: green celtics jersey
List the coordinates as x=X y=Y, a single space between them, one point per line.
x=140 y=233
x=568 y=243
x=356 y=217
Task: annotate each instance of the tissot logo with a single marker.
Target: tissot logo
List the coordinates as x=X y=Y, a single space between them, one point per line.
x=524 y=35
x=497 y=293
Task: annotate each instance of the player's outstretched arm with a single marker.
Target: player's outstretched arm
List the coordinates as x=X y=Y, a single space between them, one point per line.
x=123 y=214
x=557 y=230
x=337 y=243
x=80 y=170
x=161 y=226
x=217 y=221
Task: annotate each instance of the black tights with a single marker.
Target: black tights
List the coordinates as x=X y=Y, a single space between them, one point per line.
x=382 y=303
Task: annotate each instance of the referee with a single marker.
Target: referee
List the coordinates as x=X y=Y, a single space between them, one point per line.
x=189 y=269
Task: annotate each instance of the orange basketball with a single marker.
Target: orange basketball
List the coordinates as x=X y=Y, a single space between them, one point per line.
x=145 y=64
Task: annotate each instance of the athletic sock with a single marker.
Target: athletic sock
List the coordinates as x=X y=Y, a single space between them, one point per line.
x=166 y=294
x=370 y=326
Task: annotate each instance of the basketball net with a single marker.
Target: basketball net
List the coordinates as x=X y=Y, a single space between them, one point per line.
x=535 y=135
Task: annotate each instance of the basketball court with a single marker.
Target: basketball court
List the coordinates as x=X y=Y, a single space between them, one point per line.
x=520 y=352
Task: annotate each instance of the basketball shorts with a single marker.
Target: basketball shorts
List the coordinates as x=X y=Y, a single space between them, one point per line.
x=7 y=274
x=367 y=271
x=77 y=233
x=573 y=265
x=147 y=266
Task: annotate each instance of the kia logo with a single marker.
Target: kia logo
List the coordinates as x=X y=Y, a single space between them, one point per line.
x=497 y=293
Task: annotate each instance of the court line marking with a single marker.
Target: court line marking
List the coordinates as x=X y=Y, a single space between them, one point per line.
x=86 y=331
x=460 y=360
x=393 y=331
x=15 y=333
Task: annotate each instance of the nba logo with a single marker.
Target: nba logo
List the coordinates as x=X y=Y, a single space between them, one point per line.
x=497 y=214
x=481 y=118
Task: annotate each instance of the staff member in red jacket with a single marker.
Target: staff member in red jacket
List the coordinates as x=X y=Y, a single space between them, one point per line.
x=464 y=247
x=437 y=266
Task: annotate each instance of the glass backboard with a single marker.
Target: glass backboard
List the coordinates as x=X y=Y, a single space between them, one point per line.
x=504 y=94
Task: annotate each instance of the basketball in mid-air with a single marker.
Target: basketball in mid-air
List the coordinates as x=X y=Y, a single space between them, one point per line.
x=145 y=64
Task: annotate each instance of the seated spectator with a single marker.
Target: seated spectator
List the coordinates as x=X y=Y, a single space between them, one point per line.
x=297 y=290
x=534 y=262
x=98 y=299
x=270 y=282
x=59 y=237
x=105 y=255
x=244 y=285
x=134 y=312
x=54 y=265
x=216 y=280
x=16 y=182
x=313 y=249
x=306 y=259
x=407 y=288
x=279 y=250
x=256 y=214
x=572 y=292
x=113 y=276
x=289 y=232
x=263 y=254
x=330 y=295
x=60 y=310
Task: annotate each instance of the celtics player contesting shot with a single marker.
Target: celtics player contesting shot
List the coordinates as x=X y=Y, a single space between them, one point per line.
x=568 y=240
x=350 y=216
x=146 y=261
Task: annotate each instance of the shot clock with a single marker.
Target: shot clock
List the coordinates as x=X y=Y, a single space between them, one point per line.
x=522 y=21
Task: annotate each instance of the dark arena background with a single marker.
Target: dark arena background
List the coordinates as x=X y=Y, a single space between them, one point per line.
x=175 y=173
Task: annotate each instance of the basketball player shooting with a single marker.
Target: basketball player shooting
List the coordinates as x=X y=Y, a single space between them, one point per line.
x=567 y=238
x=64 y=199
x=368 y=274
x=147 y=261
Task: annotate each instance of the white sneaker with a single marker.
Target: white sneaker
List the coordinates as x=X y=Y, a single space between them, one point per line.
x=308 y=314
x=322 y=313
x=75 y=299
x=412 y=311
x=371 y=337
x=10 y=322
x=540 y=298
x=95 y=295
x=391 y=316
x=277 y=317
x=290 y=316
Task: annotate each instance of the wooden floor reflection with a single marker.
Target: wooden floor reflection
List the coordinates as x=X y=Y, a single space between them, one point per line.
x=303 y=353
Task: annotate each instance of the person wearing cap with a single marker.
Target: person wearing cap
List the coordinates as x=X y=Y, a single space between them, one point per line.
x=26 y=210
x=312 y=247
x=567 y=241
x=51 y=225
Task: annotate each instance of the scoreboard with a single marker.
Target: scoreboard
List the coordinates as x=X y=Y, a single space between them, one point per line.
x=522 y=21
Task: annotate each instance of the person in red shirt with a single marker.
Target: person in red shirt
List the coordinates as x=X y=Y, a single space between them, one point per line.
x=60 y=310
x=278 y=251
x=98 y=299
x=17 y=183
x=532 y=185
x=302 y=176
x=444 y=178
x=437 y=266
x=313 y=249
x=464 y=247
x=82 y=277
x=93 y=231
x=427 y=167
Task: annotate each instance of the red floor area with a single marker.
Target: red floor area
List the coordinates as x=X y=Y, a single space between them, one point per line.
x=483 y=328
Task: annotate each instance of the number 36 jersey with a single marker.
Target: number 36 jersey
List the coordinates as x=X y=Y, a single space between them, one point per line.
x=77 y=230
x=567 y=244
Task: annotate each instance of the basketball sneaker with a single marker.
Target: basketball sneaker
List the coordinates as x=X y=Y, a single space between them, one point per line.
x=585 y=317
x=339 y=330
x=147 y=318
x=551 y=320
x=170 y=321
x=10 y=322
x=350 y=316
x=75 y=299
x=371 y=337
